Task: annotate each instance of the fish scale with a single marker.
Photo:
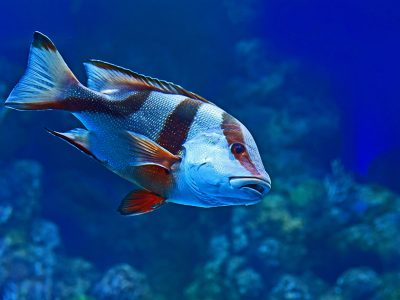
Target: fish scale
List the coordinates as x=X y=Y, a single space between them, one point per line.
x=147 y=120
x=208 y=117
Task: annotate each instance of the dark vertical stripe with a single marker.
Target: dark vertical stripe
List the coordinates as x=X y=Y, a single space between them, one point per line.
x=132 y=103
x=233 y=134
x=85 y=100
x=177 y=126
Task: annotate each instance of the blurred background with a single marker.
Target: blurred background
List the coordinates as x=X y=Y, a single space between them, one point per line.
x=316 y=82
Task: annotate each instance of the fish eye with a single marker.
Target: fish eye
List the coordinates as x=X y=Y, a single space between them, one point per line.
x=238 y=148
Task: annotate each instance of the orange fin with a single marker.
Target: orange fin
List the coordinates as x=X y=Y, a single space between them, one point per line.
x=78 y=138
x=104 y=77
x=152 y=178
x=140 y=202
x=146 y=152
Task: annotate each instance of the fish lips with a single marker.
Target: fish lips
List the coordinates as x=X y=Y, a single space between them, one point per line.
x=255 y=187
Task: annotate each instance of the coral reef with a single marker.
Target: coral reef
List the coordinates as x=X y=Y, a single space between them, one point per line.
x=336 y=242
x=122 y=282
x=31 y=263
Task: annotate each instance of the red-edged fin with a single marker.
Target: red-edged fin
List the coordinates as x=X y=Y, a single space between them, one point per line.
x=108 y=78
x=140 y=202
x=146 y=152
x=78 y=138
x=45 y=80
x=153 y=178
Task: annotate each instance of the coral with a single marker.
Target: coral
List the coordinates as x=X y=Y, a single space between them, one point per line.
x=122 y=282
x=307 y=193
x=75 y=279
x=390 y=287
x=5 y=212
x=31 y=266
x=358 y=284
x=225 y=275
x=270 y=253
x=276 y=216
x=20 y=189
x=380 y=237
x=290 y=288
x=45 y=234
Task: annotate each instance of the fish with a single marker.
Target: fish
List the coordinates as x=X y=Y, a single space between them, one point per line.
x=173 y=144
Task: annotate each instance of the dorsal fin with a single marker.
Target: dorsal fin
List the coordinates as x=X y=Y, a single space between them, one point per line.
x=107 y=78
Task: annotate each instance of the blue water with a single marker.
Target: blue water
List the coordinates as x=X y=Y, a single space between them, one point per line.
x=354 y=44
x=314 y=81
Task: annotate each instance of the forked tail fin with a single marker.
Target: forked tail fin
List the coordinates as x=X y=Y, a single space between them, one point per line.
x=46 y=81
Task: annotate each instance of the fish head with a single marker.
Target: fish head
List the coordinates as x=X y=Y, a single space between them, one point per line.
x=224 y=167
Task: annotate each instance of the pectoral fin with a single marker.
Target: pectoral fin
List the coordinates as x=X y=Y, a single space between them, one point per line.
x=78 y=138
x=140 y=202
x=146 y=152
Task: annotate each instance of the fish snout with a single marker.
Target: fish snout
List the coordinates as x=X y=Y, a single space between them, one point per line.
x=255 y=186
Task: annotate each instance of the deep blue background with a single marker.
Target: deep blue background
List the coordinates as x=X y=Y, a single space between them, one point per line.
x=355 y=44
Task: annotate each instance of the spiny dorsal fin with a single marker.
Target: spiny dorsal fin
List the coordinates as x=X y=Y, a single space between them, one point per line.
x=106 y=78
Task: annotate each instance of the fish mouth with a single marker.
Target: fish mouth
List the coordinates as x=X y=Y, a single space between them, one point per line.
x=253 y=185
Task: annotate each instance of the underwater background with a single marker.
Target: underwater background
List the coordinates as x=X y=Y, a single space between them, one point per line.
x=316 y=82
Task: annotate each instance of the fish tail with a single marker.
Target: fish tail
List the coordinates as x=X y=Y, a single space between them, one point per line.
x=47 y=80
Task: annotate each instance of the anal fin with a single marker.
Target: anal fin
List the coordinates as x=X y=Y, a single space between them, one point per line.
x=140 y=202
